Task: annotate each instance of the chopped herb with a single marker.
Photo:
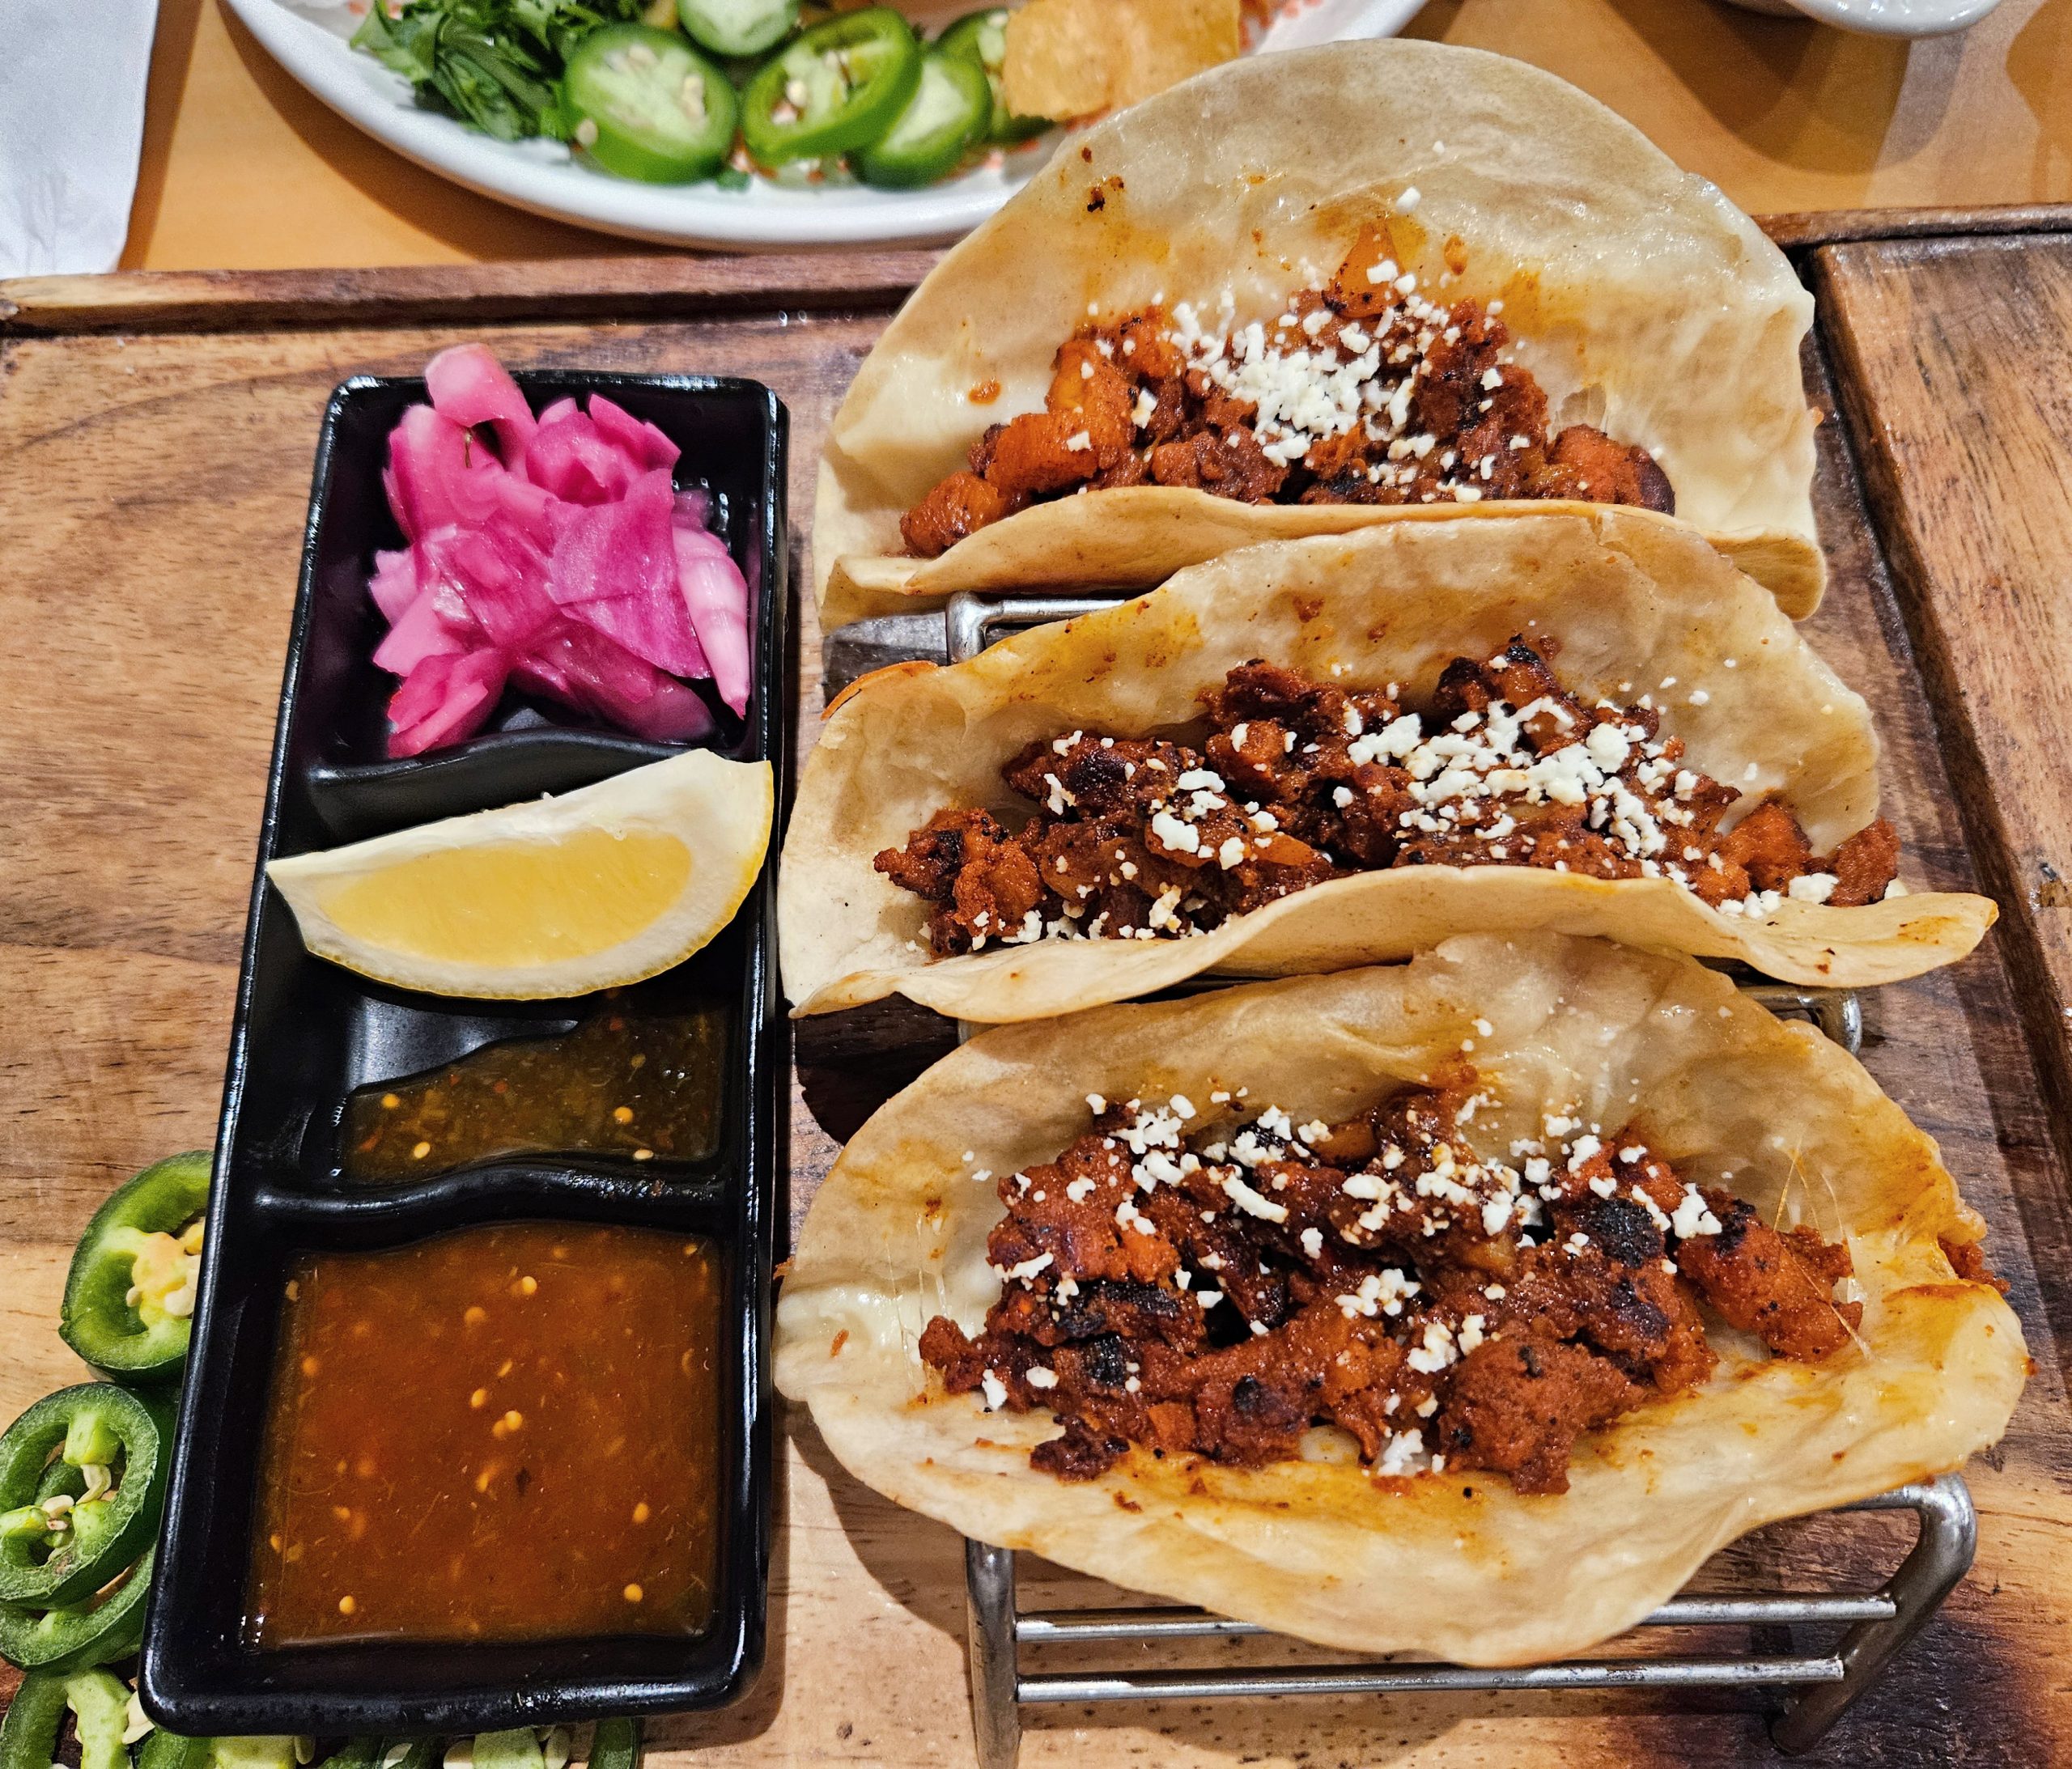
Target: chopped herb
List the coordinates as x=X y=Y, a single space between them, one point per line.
x=495 y=64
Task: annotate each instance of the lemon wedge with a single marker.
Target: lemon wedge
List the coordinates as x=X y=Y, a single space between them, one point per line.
x=558 y=897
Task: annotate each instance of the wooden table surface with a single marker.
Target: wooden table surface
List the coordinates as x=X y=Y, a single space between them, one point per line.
x=242 y=169
x=152 y=486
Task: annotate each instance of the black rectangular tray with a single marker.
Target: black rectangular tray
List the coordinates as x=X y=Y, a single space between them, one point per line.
x=308 y=1032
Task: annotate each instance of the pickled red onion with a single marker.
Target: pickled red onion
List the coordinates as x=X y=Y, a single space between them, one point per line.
x=559 y=560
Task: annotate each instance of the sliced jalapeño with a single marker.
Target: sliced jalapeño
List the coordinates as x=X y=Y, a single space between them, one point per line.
x=644 y=104
x=980 y=37
x=108 y=1626
x=834 y=89
x=129 y=1300
x=950 y=109
x=101 y=1709
x=737 y=28
x=83 y=1477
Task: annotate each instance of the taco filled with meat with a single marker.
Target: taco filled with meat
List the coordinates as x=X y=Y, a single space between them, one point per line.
x=1310 y=754
x=1373 y=282
x=1464 y=1307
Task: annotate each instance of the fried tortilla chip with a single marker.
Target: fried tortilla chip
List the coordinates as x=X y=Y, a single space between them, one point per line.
x=1641 y=300
x=1463 y=1567
x=1624 y=599
x=1068 y=58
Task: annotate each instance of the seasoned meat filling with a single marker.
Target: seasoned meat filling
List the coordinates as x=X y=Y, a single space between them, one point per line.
x=1298 y=781
x=1219 y=1284
x=1363 y=391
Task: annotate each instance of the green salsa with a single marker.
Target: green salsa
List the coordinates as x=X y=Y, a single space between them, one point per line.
x=639 y=1086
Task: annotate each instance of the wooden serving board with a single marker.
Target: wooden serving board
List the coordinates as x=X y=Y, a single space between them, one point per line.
x=156 y=442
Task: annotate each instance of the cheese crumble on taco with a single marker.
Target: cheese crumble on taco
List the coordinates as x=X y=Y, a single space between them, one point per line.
x=1310 y=754
x=1368 y=283
x=1462 y=1308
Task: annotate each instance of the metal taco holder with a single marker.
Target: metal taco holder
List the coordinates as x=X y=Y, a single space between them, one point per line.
x=1817 y=1687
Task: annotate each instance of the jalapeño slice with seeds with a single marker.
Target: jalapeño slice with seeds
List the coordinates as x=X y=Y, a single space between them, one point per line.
x=100 y=1708
x=949 y=111
x=737 y=28
x=616 y=1745
x=164 y=1750
x=980 y=37
x=82 y=1476
x=265 y=1752
x=108 y=1625
x=644 y=104
x=129 y=1302
x=834 y=89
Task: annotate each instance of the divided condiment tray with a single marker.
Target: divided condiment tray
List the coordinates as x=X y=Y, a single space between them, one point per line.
x=307 y=1033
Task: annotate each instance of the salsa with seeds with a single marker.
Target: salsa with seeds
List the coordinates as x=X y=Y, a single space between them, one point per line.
x=510 y=1432
x=640 y=1087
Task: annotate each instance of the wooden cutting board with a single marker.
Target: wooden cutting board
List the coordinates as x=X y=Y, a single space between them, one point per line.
x=156 y=442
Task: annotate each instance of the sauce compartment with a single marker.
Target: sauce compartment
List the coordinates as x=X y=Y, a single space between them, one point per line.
x=509 y=1431
x=309 y=1035
x=200 y=1659
x=633 y=1080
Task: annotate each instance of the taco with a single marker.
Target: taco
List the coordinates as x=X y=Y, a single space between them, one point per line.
x=1462 y=1307
x=1310 y=754
x=1307 y=292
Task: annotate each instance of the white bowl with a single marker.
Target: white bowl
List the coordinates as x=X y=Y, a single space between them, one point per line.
x=307 y=37
x=1881 y=18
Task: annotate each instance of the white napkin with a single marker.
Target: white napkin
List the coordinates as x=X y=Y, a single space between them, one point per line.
x=72 y=76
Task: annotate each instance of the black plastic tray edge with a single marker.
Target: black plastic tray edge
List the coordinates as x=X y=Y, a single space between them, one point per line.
x=766 y=1038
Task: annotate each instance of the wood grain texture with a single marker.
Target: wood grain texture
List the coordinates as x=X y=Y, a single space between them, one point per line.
x=674 y=286
x=621 y=288
x=1958 y=386
x=1800 y=229
x=152 y=487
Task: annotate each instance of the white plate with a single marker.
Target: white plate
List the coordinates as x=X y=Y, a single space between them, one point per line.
x=307 y=37
x=1882 y=17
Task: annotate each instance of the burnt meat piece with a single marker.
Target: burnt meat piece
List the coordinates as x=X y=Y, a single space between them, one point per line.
x=1518 y=1406
x=1865 y=865
x=981 y=879
x=1444 y=415
x=958 y=506
x=1778 y=1287
x=1224 y=1288
x=1295 y=782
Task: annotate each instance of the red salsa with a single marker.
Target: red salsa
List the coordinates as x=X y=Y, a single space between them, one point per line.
x=510 y=1432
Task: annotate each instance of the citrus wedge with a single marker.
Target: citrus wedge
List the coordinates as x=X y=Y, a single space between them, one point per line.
x=558 y=897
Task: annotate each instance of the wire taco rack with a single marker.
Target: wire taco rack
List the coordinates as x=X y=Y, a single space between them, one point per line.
x=1814 y=1688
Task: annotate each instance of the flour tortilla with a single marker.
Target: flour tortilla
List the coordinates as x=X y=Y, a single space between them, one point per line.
x=1642 y=300
x=1634 y=606
x=1324 y=1551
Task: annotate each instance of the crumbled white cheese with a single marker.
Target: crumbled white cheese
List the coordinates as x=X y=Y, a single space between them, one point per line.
x=1692 y=1217
x=1023 y=1272
x=1253 y=1203
x=1399 y=1453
